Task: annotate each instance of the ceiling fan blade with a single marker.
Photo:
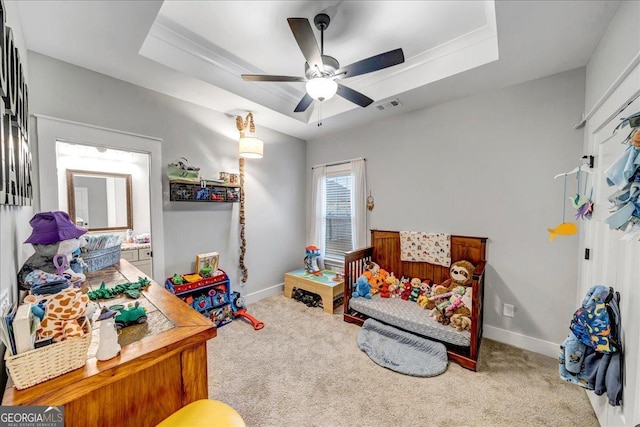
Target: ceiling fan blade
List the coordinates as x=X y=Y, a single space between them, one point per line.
x=374 y=63
x=353 y=96
x=268 y=78
x=302 y=31
x=303 y=104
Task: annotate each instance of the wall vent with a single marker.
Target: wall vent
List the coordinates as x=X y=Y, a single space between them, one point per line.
x=389 y=104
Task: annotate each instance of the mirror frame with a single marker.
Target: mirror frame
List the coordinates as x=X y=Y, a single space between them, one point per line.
x=71 y=197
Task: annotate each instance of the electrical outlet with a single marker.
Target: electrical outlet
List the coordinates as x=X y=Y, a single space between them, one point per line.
x=507 y=310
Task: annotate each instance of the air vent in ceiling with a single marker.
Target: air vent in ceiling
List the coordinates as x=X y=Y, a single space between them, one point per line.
x=389 y=104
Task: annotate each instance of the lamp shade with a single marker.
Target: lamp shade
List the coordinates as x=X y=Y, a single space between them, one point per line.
x=250 y=147
x=321 y=88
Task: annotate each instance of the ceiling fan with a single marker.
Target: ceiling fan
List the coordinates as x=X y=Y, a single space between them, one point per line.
x=322 y=71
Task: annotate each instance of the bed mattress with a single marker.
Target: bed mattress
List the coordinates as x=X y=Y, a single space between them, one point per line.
x=409 y=316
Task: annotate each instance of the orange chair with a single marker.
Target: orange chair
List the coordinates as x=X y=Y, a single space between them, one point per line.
x=204 y=413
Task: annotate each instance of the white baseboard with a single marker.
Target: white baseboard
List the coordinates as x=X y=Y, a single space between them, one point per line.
x=263 y=293
x=522 y=341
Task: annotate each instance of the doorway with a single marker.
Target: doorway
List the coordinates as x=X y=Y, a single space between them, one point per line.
x=115 y=150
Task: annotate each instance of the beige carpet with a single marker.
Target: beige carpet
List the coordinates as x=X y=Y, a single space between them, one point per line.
x=305 y=369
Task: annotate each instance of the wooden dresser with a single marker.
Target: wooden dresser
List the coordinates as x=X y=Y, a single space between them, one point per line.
x=158 y=371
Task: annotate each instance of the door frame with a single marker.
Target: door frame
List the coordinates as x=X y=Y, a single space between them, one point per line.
x=52 y=129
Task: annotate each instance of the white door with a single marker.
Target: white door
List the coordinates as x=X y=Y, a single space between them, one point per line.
x=615 y=262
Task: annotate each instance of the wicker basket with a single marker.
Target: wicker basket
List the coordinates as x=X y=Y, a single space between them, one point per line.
x=102 y=258
x=35 y=366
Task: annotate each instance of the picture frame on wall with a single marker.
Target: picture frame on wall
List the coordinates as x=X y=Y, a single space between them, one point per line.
x=207 y=263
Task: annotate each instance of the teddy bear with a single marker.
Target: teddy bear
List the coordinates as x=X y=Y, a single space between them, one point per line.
x=61 y=315
x=393 y=283
x=53 y=234
x=460 y=322
x=375 y=275
x=363 y=288
x=460 y=274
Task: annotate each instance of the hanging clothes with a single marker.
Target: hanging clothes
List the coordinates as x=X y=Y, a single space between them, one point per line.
x=591 y=355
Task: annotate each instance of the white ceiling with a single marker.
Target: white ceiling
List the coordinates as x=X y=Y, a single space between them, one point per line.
x=196 y=50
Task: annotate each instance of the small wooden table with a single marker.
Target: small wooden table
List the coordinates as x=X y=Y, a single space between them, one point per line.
x=322 y=284
x=157 y=372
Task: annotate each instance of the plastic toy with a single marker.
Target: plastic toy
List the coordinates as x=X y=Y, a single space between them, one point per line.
x=132 y=290
x=108 y=347
x=131 y=315
x=240 y=310
x=311 y=260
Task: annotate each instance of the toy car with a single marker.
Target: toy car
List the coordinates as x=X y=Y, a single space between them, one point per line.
x=131 y=315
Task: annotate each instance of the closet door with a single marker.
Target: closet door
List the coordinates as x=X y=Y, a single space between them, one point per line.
x=615 y=262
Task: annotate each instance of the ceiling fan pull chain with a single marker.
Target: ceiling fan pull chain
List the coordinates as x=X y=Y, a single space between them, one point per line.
x=320 y=114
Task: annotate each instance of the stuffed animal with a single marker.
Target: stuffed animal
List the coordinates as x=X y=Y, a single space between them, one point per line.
x=406 y=291
x=460 y=322
x=61 y=315
x=423 y=300
x=460 y=274
x=363 y=288
x=53 y=234
x=393 y=284
x=375 y=275
x=415 y=289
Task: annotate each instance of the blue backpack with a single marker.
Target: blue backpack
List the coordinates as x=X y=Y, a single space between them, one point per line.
x=597 y=323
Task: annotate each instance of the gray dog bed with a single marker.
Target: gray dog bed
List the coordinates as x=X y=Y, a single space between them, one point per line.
x=401 y=351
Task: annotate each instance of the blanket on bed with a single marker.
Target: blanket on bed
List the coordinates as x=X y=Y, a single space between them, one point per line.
x=401 y=351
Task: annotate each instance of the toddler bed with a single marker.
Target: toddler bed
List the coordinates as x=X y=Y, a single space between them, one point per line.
x=463 y=346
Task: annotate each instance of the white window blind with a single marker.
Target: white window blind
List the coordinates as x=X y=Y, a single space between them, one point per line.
x=338 y=214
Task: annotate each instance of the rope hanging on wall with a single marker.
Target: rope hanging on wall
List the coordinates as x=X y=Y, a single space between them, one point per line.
x=242 y=125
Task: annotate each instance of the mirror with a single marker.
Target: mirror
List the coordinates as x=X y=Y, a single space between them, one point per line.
x=99 y=201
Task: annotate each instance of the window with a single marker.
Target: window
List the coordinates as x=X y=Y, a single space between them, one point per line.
x=338 y=210
x=338 y=190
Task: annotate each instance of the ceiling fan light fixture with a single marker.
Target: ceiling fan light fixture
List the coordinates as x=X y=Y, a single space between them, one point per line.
x=321 y=88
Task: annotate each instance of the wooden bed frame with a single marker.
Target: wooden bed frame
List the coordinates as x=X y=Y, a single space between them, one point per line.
x=385 y=250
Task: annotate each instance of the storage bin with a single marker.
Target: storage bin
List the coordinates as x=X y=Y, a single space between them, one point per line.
x=41 y=364
x=102 y=258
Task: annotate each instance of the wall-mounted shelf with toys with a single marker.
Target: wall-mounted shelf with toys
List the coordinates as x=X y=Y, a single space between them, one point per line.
x=203 y=191
x=207 y=294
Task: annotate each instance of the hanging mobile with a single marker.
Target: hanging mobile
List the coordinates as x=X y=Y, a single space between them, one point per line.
x=583 y=204
x=566 y=228
x=370 y=203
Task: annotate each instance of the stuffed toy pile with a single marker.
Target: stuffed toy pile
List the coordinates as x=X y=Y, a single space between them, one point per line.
x=53 y=234
x=48 y=277
x=449 y=303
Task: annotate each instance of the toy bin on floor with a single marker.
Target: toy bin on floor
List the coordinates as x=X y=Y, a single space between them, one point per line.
x=209 y=295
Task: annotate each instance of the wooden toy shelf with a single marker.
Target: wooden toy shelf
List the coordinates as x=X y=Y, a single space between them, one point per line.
x=209 y=191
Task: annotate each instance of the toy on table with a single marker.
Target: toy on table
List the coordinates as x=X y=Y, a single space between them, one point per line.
x=109 y=346
x=53 y=233
x=240 y=310
x=62 y=314
x=311 y=260
x=132 y=290
x=133 y=314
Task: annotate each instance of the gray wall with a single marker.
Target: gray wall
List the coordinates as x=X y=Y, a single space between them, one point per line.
x=274 y=185
x=484 y=166
x=617 y=48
